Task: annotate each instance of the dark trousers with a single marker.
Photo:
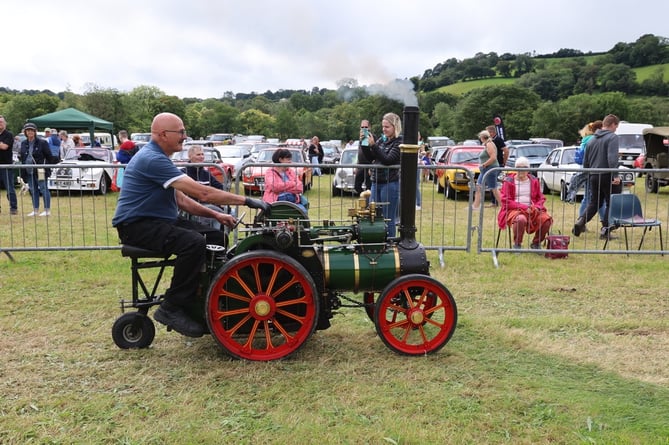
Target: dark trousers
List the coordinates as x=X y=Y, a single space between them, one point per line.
x=186 y=239
x=600 y=193
x=7 y=179
x=362 y=177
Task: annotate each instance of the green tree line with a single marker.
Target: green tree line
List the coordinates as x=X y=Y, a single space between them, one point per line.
x=550 y=98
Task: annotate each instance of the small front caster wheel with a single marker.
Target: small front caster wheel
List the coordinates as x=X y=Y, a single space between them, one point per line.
x=133 y=330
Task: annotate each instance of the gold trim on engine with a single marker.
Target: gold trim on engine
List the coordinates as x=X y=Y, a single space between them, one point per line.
x=396 y=255
x=326 y=264
x=356 y=272
x=409 y=148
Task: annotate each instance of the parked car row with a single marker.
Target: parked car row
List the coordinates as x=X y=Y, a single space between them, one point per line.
x=554 y=167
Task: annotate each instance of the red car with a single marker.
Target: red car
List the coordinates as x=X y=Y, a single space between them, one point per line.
x=253 y=177
x=211 y=155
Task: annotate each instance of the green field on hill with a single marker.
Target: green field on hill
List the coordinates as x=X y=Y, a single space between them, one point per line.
x=460 y=88
x=647 y=72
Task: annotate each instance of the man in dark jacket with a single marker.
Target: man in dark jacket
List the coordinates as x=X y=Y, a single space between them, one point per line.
x=502 y=151
x=7 y=175
x=601 y=152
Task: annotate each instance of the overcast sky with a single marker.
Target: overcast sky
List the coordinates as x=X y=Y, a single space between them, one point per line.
x=198 y=48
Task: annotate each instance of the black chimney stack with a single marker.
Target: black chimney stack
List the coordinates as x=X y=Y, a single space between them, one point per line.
x=408 y=172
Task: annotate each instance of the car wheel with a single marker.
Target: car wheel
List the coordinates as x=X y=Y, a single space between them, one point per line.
x=563 y=191
x=450 y=191
x=104 y=184
x=336 y=191
x=651 y=183
x=545 y=189
x=440 y=188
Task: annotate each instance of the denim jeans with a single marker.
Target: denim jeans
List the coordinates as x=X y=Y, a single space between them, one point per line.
x=419 y=200
x=603 y=216
x=314 y=160
x=37 y=187
x=388 y=193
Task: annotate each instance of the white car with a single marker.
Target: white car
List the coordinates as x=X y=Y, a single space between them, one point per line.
x=235 y=155
x=81 y=170
x=557 y=177
x=344 y=177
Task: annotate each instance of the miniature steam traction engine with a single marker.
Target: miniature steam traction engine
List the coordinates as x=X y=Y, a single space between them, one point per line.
x=265 y=296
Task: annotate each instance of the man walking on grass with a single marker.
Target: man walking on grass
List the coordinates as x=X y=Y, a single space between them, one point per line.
x=601 y=152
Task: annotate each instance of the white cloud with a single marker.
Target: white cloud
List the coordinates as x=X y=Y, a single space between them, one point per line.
x=201 y=48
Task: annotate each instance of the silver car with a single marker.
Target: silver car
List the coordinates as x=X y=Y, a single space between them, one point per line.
x=82 y=170
x=344 y=177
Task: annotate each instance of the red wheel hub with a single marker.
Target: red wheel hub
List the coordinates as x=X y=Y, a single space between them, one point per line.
x=262 y=307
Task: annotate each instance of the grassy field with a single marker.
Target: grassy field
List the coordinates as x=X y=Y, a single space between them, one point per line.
x=650 y=71
x=460 y=88
x=564 y=351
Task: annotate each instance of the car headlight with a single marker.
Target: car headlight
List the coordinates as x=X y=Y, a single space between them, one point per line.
x=341 y=174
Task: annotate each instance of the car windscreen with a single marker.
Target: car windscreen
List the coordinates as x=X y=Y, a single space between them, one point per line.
x=462 y=157
x=534 y=151
x=568 y=156
x=631 y=141
x=265 y=156
x=349 y=157
x=87 y=154
x=297 y=156
x=233 y=153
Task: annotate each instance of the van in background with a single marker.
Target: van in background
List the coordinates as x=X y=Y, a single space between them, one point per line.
x=439 y=141
x=630 y=142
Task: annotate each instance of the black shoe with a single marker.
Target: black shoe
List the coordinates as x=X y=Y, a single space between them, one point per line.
x=579 y=226
x=175 y=318
x=606 y=233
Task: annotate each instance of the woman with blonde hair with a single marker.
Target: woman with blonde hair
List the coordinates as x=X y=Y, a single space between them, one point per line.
x=385 y=181
x=488 y=160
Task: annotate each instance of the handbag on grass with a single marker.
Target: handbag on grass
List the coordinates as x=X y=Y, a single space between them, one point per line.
x=557 y=242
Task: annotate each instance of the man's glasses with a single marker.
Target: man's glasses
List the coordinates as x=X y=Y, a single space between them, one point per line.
x=364 y=127
x=181 y=132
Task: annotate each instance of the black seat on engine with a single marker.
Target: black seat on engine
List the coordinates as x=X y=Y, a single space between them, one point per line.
x=138 y=252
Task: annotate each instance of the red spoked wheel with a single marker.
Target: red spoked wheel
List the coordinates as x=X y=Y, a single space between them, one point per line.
x=262 y=306
x=415 y=315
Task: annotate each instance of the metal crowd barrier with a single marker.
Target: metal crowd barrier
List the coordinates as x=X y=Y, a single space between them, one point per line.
x=82 y=221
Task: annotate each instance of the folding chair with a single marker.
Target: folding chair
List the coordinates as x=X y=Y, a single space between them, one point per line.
x=625 y=211
x=499 y=235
